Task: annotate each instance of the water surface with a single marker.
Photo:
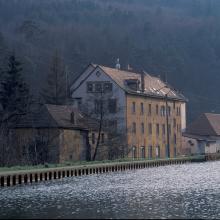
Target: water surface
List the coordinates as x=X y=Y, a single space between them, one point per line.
x=176 y=191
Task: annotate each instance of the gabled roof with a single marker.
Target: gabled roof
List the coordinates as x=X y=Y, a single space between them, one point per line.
x=207 y=124
x=154 y=86
x=50 y=116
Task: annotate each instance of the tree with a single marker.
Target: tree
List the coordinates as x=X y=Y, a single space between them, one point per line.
x=55 y=91
x=15 y=102
x=102 y=108
x=14 y=92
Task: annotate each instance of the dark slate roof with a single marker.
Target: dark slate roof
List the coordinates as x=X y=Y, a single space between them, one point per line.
x=207 y=124
x=154 y=86
x=50 y=116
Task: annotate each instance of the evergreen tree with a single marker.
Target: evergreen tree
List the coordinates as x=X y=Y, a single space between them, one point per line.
x=14 y=93
x=55 y=91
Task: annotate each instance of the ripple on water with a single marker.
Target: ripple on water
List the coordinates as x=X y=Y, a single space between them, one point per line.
x=177 y=191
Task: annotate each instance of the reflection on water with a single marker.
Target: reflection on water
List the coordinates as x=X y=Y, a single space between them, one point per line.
x=177 y=191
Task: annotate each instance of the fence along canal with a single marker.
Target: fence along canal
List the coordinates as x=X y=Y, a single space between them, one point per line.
x=13 y=178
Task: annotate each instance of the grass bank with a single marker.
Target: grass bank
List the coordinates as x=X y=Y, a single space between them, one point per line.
x=78 y=163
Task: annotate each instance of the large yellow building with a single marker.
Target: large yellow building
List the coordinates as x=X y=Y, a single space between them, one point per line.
x=149 y=112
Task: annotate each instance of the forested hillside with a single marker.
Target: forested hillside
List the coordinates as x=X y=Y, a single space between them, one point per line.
x=179 y=39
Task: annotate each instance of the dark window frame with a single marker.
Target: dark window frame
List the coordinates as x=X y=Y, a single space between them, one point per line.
x=112 y=105
x=89 y=90
x=134 y=127
x=107 y=87
x=142 y=127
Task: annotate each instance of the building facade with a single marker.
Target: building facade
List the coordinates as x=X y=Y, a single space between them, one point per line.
x=202 y=136
x=51 y=134
x=147 y=112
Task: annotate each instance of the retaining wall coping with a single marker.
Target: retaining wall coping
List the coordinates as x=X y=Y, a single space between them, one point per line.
x=77 y=167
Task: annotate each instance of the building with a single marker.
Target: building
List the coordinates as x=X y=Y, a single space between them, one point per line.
x=51 y=134
x=136 y=105
x=202 y=136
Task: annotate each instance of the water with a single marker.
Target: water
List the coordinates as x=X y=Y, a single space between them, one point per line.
x=177 y=191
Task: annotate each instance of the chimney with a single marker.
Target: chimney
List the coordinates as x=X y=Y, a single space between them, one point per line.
x=118 y=66
x=72 y=118
x=129 y=68
x=142 y=82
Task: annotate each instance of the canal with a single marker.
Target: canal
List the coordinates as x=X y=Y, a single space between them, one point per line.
x=175 y=191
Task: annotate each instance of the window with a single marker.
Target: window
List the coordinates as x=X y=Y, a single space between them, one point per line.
x=112 y=124
x=169 y=128
x=107 y=87
x=150 y=152
x=157 y=110
x=70 y=156
x=174 y=151
x=169 y=110
x=142 y=152
x=89 y=87
x=158 y=152
x=102 y=138
x=133 y=107
x=149 y=109
x=174 y=122
x=178 y=111
x=163 y=129
x=142 y=128
x=142 y=108
x=98 y=106
x=150 y=128
x=174 y=138
x=134 y=152
x=98 y=73
x=132 y=84
x=112 y=105
x=162 y=111
x=98 y=87
x=93 y=138
x=133 y=127
x=174 y=105
x=157 y=129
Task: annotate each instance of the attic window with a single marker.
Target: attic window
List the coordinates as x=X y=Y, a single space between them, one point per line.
x=98 y=73
x=132 y=84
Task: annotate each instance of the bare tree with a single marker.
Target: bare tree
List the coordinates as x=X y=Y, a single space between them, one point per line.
x=102 y=108
x=55 y=91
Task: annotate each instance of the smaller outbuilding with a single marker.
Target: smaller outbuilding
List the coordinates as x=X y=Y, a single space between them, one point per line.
x=51 y=134
x=203 y=135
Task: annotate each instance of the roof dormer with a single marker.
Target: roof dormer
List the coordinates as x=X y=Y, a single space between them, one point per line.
x=132 y=84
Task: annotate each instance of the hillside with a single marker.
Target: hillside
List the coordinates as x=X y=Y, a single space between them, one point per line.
x=176 y=39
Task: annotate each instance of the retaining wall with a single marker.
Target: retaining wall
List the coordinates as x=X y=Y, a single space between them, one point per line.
x=32 y=176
